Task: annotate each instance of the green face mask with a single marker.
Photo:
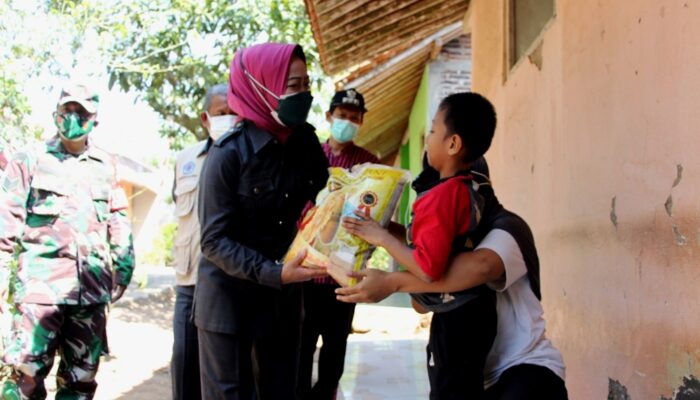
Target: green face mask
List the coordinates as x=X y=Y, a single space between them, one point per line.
x=72 y=126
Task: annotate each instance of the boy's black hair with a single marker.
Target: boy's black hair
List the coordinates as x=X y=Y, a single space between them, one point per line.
x=472 y=117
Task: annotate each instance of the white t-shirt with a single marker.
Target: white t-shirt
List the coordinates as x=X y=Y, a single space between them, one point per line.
x=520 y=338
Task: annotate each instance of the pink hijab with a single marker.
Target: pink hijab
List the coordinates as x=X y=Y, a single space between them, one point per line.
x=268 y=63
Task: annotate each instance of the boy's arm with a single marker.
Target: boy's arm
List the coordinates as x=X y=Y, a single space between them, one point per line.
x=467 y=270
x=369 y=230
x=439 y=217
x=397 y=230
x=404 y=256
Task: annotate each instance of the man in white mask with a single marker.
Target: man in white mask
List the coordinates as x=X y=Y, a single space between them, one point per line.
x=217 y=118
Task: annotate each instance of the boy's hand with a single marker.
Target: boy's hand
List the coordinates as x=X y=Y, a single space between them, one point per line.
x=293 y=271
x=365 y=228
x=374 y=286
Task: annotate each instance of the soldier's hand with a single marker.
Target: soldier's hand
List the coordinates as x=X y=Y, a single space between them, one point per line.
x=293 y=271
x=118 y=292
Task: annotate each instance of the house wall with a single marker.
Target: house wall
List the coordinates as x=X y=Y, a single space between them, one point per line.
x=597 y=148
x=144 y=216
x=450 y=72
x=412 y=151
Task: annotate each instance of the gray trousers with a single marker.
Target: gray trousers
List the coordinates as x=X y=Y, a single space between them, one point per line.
x=184 y=365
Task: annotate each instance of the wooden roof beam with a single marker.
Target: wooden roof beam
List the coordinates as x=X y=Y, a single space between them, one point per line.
x=383 y=42
x=369 y=16
x=449 y=32
x=407 y=21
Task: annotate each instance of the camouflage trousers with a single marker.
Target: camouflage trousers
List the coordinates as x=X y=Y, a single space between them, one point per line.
x=38 y=331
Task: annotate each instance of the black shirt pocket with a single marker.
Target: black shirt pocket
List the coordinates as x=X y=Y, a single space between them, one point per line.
x=258 y=196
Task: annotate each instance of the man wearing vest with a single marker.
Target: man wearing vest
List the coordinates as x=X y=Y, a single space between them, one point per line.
x=216 y=118
x=65 y=253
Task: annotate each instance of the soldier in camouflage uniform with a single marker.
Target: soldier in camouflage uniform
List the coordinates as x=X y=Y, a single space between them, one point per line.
x=65 y=219
x=3 y=155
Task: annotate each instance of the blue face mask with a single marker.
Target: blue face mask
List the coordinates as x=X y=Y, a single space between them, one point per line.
x=343 y=130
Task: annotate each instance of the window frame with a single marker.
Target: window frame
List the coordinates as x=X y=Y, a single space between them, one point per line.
x=511 y=64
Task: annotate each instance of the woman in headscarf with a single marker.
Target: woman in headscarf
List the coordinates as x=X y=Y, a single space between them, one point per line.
x=257 y=179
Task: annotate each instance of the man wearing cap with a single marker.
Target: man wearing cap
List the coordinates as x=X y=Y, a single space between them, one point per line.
x=66 y=248
x=323 y=315
x=217 y=118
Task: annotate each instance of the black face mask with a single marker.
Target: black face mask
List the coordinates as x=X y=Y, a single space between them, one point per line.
x=428 y=178
x=293 y=109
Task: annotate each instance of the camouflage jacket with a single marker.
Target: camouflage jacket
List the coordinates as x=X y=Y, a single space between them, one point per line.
x=66 y=220
x=3 y=155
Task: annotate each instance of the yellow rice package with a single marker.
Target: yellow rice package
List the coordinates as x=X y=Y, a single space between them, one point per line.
x=374 y=191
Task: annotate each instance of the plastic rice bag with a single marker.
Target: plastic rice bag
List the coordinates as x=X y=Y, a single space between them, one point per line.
x=374 y=191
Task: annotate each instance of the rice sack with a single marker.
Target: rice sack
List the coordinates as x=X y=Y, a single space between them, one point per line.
x=374 y=191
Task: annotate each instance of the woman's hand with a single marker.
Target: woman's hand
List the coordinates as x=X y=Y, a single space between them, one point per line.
x=293 y=271
x=366 y=229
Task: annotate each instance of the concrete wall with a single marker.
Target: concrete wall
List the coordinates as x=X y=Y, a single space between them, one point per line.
x=450 y=72
x=597 y=147
x=148 y=212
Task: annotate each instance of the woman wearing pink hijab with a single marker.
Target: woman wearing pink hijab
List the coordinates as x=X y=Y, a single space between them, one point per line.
x=254 y=185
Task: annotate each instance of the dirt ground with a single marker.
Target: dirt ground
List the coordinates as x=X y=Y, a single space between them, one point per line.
x=140 y=341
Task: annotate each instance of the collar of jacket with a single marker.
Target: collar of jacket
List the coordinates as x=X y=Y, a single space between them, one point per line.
x=205 y=147
x=55 y=146
x=258 y=137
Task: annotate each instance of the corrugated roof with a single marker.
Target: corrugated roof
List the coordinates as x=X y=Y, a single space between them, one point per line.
x=352 y=32
x=380 y=47
x=390 y=90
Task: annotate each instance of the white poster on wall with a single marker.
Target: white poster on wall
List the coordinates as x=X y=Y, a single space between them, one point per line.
x=450 y=73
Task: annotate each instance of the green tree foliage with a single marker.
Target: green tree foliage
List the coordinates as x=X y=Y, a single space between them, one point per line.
x=22 y=56
x=381 y=259
x=14 y=107
x=43 y=42
x=171 y=51
x=163 y=245
x=166 y=52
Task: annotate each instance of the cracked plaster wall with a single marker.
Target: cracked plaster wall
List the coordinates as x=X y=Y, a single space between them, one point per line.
x=597 y=148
